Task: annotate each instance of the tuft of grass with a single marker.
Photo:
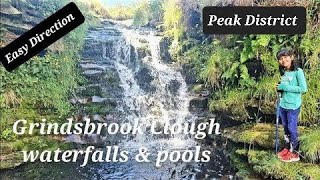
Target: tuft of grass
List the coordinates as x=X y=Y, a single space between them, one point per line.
x=266 y=163
x=311 y=172
x=310 y=144
x=10 y=98
x=198 y=88
x=266 y=87
x=217 y=64
x=233 y=102
x=310 y=110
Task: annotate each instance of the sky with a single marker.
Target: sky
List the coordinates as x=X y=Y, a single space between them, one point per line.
x=112 y=3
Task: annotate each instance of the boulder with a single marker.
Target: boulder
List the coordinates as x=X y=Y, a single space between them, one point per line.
x=173 y=86
x=143 y=51
x=198 y=103
x=189 y=74
x=144 y=79
x=164 y=50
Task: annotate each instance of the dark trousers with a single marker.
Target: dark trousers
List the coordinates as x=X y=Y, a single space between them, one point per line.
x=289 y=119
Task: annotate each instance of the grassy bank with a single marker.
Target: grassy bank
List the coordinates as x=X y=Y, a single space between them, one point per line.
x=40 y=88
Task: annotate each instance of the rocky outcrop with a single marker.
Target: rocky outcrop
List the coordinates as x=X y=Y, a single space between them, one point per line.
x=96 y=100
x=9 y=11
x=164 y=50
x=143 y=52
x=144 y=79
x=173 y=87
x=189 y=74
x=198 y=104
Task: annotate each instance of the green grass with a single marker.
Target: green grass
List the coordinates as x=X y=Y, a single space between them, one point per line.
x=267 y=163
x=40 y=88
x=310 y=144
x=233 y=102
x=310 y=113
x=239 y=161
x=261 y=134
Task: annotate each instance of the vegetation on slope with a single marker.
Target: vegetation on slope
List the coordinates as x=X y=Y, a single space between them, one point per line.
x=40 y=88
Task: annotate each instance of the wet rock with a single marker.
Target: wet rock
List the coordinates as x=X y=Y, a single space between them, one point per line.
x=143 y=41
x=94 y=139
x=78 y=118
x=107 y=23
x=16 y=28
x=173 y=87
x=90 y=91
x=7 y=9
x=164 y=50
x=144 y=79
x=198 y=103
x=93 y=50
x=31 y=19
x=32 y=12
x=7 y=37
x=97 y=99
x=109 y=117
x=74 y=138
x=95 y=76
x=92 y=72
x=107 y=49
x=93 y=66
x=75 y=100
x=143 y=51
x=189 y=73
x=204 y=93
x=98 y=118
x=133 y=56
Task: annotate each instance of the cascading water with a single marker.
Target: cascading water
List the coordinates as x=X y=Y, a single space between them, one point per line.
x=159 y=104
x=152 y=91
x=158 y=94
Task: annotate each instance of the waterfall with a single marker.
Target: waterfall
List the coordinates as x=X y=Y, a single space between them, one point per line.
x=165 y=97
x=125 y=66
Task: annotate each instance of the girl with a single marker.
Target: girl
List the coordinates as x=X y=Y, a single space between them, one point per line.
x=292 y=85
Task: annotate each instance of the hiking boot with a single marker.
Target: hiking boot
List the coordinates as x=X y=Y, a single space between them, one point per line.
x=290 y=157
x=283 y=152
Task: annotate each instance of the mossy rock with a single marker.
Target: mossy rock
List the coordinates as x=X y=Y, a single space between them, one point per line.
x=11 y=155
x=143 y=51
x=11 y=160
x=245 y=171
x=96 y=108
x=198 y=88
x=261 y=134
x=91 y=91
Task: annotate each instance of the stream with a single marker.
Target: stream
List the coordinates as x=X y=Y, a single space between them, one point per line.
x=149 y=90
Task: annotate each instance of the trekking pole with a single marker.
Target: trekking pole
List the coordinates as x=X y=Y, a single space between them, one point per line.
x=277 y=120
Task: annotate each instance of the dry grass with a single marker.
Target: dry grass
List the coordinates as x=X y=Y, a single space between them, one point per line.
x=11 y=99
